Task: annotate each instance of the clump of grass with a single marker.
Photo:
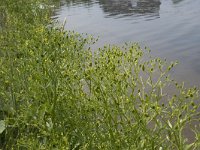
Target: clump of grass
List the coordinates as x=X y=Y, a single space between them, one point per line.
x=56 y=94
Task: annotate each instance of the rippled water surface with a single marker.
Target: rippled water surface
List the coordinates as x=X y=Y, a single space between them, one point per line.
x=170 y=28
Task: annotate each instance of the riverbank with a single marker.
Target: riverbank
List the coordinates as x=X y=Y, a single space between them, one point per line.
x=56 y=94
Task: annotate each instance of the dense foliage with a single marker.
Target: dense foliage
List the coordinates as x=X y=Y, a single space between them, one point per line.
x=56 y=93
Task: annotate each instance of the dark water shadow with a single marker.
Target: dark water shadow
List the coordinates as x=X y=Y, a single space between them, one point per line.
x=70 y=3
x=177 y=1
x=130 y=7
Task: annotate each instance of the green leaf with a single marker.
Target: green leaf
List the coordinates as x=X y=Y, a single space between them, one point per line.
x=143 y=68
x=187 y=147
x=170 y=125
x=2 y=126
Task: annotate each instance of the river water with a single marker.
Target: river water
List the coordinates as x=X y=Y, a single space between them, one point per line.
x=170 y=28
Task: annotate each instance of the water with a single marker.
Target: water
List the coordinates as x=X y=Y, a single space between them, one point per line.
x=170 y=28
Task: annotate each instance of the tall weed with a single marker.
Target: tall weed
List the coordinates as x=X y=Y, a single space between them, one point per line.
x=57 y=94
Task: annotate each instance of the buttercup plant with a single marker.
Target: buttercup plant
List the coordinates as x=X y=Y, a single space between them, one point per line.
x=56 y=93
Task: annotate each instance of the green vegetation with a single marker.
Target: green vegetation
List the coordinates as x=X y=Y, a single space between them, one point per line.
x=56 y=94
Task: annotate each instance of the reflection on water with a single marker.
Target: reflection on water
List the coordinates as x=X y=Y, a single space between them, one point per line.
x=70 y=3
x=121 y=7
x=130 y=7
x=176 y=1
